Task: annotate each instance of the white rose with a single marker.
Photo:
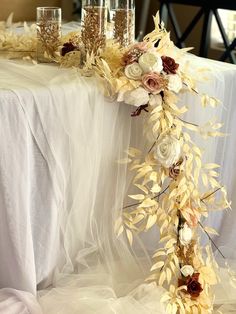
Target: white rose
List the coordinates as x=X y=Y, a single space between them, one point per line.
x=133 y=71
x=168 y=150
x=187 y=270
x=174 y=83
x=155 y=100
x=136 y=97
x=185 y=235
x=150 y=62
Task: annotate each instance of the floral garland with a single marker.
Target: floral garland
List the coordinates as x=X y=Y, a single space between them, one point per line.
x=169 y=176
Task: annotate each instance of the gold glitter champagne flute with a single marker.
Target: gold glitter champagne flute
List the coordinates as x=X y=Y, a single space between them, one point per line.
x=48 y=32
x=94 y=25
x=122 y=16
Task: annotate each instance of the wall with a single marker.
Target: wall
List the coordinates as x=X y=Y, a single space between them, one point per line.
x=25 y=10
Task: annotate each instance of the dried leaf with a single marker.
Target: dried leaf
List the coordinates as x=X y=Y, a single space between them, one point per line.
x=158 y=265
x=138 y=197
x=151 y=221
x=129 y=236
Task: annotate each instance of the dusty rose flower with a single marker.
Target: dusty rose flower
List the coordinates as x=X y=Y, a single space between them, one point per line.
x=169 y=65
x=141 y=46
x=133 y=54
x=194 y=288
x=154 y=82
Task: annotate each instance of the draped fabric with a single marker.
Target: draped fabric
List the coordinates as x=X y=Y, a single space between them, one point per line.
x=62 y=188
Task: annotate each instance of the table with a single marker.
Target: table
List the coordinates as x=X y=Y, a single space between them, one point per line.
x=60 y=141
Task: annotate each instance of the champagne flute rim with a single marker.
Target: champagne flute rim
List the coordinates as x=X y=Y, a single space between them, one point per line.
x=48 y=8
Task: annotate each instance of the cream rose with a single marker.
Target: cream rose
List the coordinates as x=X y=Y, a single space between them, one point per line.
x=136 y=97
x=168 y=150
x=174 y=83
x=133 y=71
x=187 y=270
x=185 y=235
x=150 y=62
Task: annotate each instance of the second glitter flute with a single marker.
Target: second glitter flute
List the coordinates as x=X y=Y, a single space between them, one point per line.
x=94 y=25
x=122 y=16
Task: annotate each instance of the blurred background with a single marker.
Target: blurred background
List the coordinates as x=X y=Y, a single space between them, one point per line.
x=208 y=27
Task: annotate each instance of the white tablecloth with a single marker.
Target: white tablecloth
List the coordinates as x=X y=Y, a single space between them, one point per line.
x=33 y=134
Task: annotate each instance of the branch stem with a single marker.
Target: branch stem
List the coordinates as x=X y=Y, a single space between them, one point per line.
x=206 y=197
x=190 y=123
x=212 y=241
x=153 y=198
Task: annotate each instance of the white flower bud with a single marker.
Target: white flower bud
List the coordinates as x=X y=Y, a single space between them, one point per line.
x=187 y=270
x=185 y=235
x=174 y=83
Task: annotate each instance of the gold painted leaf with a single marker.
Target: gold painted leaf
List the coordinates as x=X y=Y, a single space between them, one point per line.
x=170 y=243
x=208 y=275
x=148 y=202
x=134 y=152
x=156 y=127
x=158 y=265
x=153 y=176
x=204 y=179
x=151 y=221
x=142 y=188
x=120 y=231
x=211 y=231
x=166 y=297
x=159 y=253
x=124 y=161
x=169 y=309
x=168 y=275
x=138 y=197
x=162 y=278
x=129 y=236
x=156 y=188
x=118 y=223
x=155 y=116
x=211 y=166
x=157 y=109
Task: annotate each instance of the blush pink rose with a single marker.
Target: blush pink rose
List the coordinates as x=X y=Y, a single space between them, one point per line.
x=154 y=82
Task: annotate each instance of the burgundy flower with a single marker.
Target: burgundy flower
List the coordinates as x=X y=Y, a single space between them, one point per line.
x=169 y=65
x=194 y=287
x=174 y=171
x=153 y=82
x=67 y=47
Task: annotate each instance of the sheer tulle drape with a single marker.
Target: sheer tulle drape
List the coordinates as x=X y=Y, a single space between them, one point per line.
x=82 y=137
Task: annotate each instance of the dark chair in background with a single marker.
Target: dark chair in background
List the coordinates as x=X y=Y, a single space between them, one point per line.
x=206 y=11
